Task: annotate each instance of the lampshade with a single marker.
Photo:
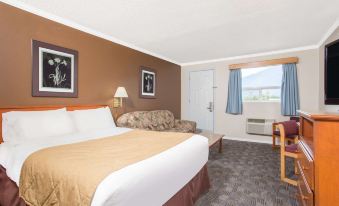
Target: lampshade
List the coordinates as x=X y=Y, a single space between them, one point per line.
x=121 y=92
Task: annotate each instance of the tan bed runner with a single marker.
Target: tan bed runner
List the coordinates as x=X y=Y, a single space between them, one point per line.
x=69 y=174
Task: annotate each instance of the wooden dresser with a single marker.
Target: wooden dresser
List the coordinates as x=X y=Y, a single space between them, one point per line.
x=318 y=159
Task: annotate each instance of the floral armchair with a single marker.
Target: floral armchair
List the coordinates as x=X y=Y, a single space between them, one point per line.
x=157 y=120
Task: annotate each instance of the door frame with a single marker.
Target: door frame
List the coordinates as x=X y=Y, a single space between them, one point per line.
x=213 y=89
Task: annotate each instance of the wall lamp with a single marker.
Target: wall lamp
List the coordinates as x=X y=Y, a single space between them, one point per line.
x=119 y=94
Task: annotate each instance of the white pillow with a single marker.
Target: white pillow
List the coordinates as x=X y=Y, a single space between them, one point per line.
x=24 y=125
x=92 y=119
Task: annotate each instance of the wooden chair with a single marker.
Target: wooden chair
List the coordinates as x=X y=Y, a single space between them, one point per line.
x=286 y=129
x=276 y=134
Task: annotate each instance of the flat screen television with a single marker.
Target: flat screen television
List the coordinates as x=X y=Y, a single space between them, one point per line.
x=332 y=73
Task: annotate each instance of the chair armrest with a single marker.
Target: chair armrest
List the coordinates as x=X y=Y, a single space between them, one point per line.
x=185 y=126
x=275 y=126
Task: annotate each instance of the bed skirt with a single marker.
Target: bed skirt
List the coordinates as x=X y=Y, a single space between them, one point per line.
x=9 y=191
x=190 y=193
x=187 y=196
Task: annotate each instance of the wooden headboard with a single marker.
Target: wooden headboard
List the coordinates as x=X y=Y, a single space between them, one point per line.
x=43 y=108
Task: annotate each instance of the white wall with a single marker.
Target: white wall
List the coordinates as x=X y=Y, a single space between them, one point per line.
x=234 y=125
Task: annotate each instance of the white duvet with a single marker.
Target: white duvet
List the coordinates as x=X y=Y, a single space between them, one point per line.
x=149 y=182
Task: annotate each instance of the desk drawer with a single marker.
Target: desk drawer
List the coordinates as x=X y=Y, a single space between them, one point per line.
x=306 y=164
x=305 y=195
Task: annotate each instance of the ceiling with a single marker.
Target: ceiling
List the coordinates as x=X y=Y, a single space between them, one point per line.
x=198 y=30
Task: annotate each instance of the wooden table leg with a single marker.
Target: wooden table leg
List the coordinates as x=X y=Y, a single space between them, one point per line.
x=220 y=145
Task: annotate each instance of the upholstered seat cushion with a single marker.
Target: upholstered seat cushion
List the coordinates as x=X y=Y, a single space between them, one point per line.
x=293 y=148
x=277 y=133
x=9 y=192
x=161 y=119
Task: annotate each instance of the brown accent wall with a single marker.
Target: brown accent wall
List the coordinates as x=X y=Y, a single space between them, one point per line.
x=103 y=65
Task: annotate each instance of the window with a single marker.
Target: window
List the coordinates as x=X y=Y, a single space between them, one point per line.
x=262 y=83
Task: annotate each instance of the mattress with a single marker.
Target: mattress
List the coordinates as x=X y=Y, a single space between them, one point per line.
x=149 y=182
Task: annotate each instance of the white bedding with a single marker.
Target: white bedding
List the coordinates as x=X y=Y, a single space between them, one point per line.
x=150 y=182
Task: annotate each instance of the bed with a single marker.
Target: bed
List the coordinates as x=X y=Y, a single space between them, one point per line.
x=176 y=176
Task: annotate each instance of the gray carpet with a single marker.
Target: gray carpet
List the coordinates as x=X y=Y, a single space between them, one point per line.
x=247 y=174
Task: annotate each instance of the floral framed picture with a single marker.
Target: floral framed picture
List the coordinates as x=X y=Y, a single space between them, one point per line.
x=148 y=83
x=55 y=71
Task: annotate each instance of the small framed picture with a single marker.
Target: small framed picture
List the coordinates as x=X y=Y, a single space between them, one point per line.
x=147 y=83
x=55 y=71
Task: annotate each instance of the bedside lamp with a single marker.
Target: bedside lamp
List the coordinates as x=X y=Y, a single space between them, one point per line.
x=119 y=94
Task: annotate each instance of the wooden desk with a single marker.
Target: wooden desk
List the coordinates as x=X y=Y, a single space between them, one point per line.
x=213 y=139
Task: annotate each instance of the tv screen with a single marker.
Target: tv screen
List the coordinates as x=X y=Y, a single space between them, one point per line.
x=332 y=73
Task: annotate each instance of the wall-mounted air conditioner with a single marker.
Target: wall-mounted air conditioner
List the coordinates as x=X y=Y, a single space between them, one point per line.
x=259 y=126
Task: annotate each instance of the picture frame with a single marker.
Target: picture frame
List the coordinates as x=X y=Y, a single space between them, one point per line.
x=148 y=83
x=54 y=71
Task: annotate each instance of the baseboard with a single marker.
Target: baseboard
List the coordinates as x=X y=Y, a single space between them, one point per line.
x=248 y=140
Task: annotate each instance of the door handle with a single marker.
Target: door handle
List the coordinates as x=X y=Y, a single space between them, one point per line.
x=210 y=107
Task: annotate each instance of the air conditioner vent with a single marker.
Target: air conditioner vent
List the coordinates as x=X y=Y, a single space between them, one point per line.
x=256 y=121
x=259 y=126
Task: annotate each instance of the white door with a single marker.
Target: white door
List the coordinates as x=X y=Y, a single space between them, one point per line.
x=201 y=98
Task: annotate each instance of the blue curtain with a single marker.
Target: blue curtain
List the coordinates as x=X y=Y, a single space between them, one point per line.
x=234 y=99
x=289 y=91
